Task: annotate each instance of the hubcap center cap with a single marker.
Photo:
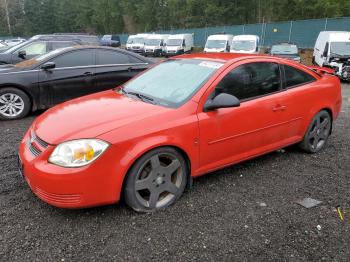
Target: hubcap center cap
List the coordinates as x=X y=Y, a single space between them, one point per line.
x=159 y=180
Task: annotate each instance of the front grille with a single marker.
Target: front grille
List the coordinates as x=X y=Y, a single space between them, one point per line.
x=35 y=151
x=39 y=140
x=34 y=143
x=63 y=199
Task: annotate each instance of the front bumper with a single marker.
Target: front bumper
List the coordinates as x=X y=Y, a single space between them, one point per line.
x=155 y=52
x=173 y=53
x=96 y=184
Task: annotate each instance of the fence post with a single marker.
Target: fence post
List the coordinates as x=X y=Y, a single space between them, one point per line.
x=290 y=31
x=264 y=34
x=325 y=24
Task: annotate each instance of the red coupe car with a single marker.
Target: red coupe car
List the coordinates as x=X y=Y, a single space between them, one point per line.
x=180 y=119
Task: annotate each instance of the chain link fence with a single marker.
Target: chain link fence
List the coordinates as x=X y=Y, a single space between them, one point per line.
x=301 y=32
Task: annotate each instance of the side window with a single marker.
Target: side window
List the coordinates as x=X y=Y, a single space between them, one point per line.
x=75 y=58
x=325 y=52
x=296 y=77
x=35 y=48
x=106 y=57
x=251 y=80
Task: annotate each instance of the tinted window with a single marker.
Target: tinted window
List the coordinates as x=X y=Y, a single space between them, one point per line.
x=296 y=77
x=107 y=57
x=75 y=58
x=36 y=48
x=251 y=80
x=115 y=38
x=61 y=44
x=134 y=59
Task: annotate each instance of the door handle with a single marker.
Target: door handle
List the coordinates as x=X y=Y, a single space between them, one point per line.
x=130 y=68
x=88 y=74
x=279 y=108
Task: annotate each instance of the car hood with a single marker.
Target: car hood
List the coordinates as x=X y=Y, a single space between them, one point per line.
x=91 y=116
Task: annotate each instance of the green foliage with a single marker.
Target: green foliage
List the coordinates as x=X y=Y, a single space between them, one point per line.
x=29 y=17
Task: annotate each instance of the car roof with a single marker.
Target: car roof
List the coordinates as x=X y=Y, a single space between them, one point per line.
x=221 y=57
x=78 y=47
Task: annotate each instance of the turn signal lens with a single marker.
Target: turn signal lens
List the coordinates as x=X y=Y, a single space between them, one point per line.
x=78 y=153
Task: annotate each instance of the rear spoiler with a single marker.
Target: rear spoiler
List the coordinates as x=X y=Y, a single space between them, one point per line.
x=322 y=70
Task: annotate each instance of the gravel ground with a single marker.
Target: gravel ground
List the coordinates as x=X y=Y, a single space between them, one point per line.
x=241 y=213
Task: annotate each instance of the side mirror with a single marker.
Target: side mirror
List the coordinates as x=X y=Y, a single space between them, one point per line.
x=48 y=66
x=22 y=54
x=222 y=100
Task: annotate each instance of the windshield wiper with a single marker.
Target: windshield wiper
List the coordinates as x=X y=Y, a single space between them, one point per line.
x=142 y=97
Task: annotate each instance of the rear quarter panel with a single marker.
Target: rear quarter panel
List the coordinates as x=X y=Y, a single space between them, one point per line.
x=323 y=94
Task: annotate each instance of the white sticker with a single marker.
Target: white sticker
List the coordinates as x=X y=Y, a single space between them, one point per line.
x=211 y=64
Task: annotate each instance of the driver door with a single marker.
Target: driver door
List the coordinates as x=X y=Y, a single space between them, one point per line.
x=230 y=135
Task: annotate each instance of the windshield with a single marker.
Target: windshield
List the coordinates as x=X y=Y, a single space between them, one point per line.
x=130 y=40
x=14 y=48
x=152 y=42
x=340 y=48
x=284 y=49
x=220 y=44
x=243 y=45
x=174 y=42
x=173 y=82
x=139 y=40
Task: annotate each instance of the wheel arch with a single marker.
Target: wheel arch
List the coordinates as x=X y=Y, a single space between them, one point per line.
x=330 y=112
x=179 y=149
x=24 y=90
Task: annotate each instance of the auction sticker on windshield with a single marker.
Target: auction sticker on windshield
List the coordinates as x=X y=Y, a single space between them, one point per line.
x=211 y=64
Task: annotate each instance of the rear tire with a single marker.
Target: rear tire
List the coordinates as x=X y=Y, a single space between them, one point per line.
x=317 y=133
x=156 y=180
x=14 y=103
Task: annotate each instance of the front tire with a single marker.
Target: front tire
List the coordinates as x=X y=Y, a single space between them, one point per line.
x=317 y=134
x=14 y=103
x=156 y=180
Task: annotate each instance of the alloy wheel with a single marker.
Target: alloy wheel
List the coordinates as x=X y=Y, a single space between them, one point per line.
x=159 y=180
x=319 y=131
x=11 y=105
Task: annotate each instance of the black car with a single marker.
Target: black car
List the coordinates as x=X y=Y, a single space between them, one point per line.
x=285 y=50
x=64 y=74
x=41 y=44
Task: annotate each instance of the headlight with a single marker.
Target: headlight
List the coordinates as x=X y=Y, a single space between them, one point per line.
x=77 y=153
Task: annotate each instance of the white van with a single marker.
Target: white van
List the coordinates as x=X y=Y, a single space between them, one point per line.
x=218 y=43
x=155 y=44
x=179 y=44
x=247 y=44
x=332 y=49
x=136 y=43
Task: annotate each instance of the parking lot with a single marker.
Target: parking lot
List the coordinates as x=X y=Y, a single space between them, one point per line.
x=229 y=215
